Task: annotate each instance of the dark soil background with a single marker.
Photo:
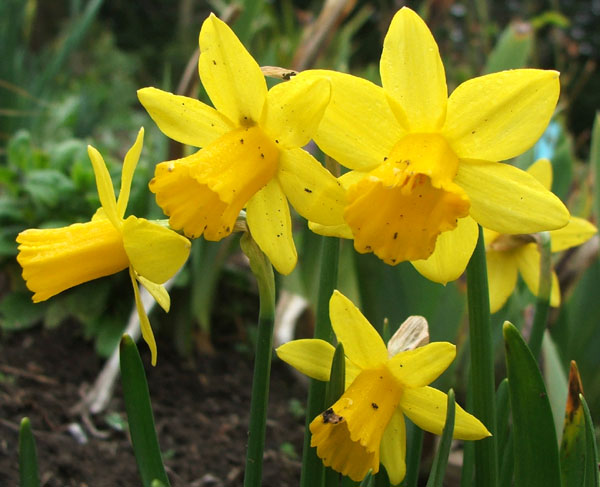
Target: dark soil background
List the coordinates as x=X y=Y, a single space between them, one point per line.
x=200 y=404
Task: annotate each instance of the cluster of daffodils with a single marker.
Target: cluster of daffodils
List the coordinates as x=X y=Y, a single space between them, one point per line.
x=424 y=172
x=365 y=427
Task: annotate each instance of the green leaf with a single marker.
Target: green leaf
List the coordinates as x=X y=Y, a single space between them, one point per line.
x=595 y=161
x=533 y=425
x=333 y=391
x=513 y=49
x=556 y=381
x=573 y=444
x=47 y=187
x=28 y=466
x=438 y=470
x=591 y=449
x=139 y=415
x=18 y=312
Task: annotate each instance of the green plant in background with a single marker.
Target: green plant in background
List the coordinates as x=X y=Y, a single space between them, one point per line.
x=397 y=142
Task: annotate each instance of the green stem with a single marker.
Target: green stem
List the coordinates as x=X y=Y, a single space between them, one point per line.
x=482 y=365
x=542 y=304
x=263 y=271
x=312 y=467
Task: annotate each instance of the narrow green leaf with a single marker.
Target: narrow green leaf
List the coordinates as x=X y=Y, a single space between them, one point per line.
x=367 y=481
x=438 y=469
x=573 y=444
x=503 y=411
x=591 y=449
x=139 y=415
x=595 y=162
x=513 y=48
x=556 y=382
x=542 y=302
x=533 y=426
x=312 y=467
x=414 y=448
x=333 y=391
x=482 y=365
x=28 y=466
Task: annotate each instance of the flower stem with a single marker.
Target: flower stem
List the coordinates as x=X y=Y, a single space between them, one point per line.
x=312 y=468
x=263 y=271
x=542 y=304
x=482 y=365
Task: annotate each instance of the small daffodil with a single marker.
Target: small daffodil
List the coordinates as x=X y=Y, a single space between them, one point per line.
x=57 y=259
x=424 y=166
x=251 y=151
x=510 y=255
x=366 y=427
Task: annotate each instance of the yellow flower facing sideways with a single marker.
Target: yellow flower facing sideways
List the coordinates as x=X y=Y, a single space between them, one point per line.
x=251 y=152
x=366 y=425
x=509 y=255
x=424 y=167
x=57 y=259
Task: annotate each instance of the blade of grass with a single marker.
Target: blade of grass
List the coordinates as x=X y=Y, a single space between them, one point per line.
x=533 y=425
x=440 y=462
x=139 y=415
x=28 y=465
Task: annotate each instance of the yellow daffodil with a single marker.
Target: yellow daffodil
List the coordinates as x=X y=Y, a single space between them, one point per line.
x=366 y=425
x=509 y=255
x=251 y=152
x=57 y=259
x=424 y=166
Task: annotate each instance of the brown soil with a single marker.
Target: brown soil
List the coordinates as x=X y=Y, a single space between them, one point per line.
x=201 y=410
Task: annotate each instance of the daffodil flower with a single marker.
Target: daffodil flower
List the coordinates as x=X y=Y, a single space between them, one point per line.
x=424 y=167
x=509 y=255
x=251 y=152
x=57 y=259
x=366 y=425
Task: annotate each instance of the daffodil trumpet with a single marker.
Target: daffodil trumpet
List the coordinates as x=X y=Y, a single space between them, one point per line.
x=424 y=167
x=365 y=426
x=251 y=152
x=57 y=259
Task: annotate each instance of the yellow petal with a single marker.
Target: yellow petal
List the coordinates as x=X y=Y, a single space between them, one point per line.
x=184 y=119
x=542 y=171
x=393 y=448
x=145 y=327
x=59 y=258
x=106 y=190
x=230 y=75
x=348 y=435
x=500 y=115
x=577 y=231
x=270 y=223
x=528 y=262
x=155 y=252
x=502 y=277
x=339 y=231
x=452 y=252
x=508 y=200
x=158 y=292
x=412 y=73
x=358 y=129
x=131 y=159
x=294 y=109
x=312 y=190
x=362 y=343
x=421 y=366
x=426 y=407
x=310 y=356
